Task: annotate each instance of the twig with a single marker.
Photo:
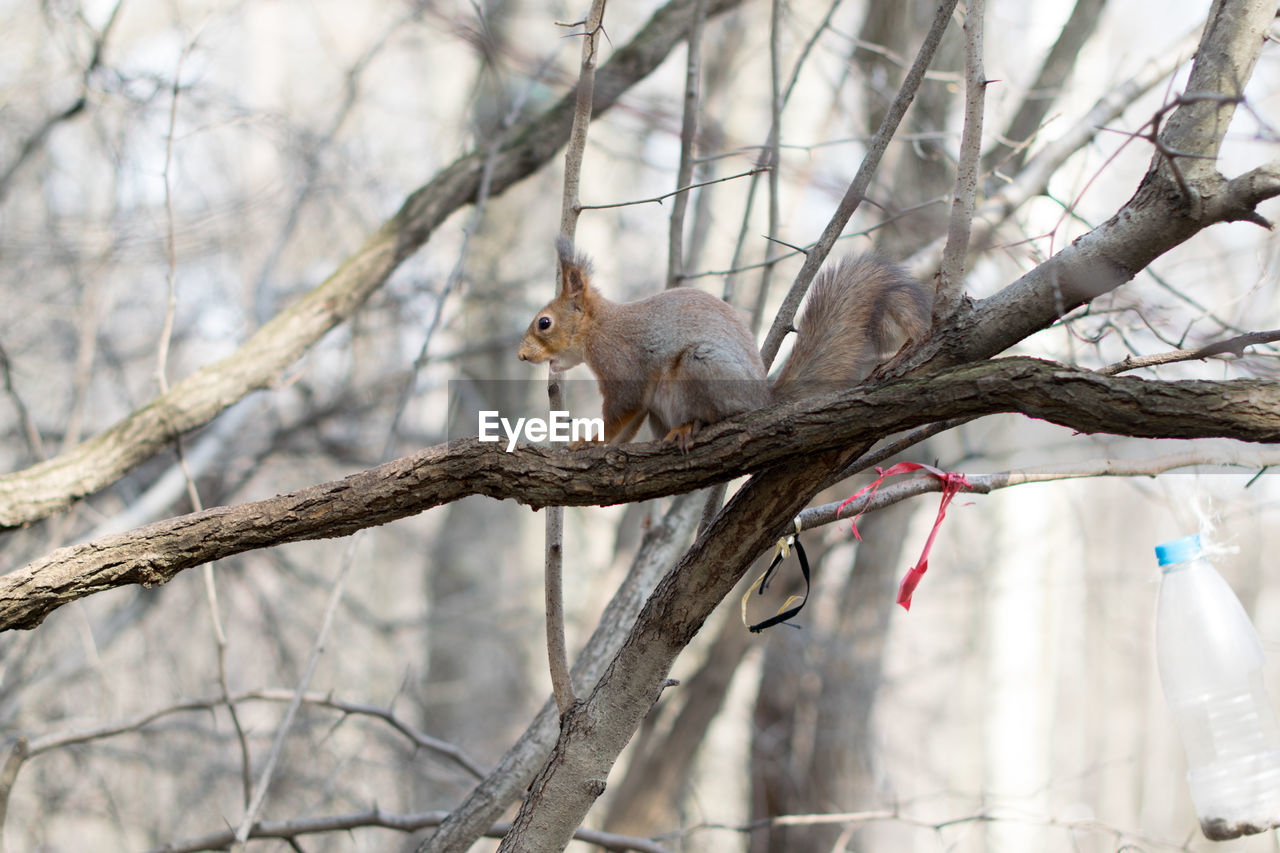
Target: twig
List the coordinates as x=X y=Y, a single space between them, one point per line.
x=40 y=744
x=1231 y=346
x=1035 y=175
x=658 y=199
x=951 y=274
x=314 y=164
x=688 y=135
x=715 y=495
x=30 y=431
x=8 y=775
x=771 y=148
x=1011 y=150
x=570 y=208
x=504 y=785
x=895 y=814
x=892 y=493
x=162 y=381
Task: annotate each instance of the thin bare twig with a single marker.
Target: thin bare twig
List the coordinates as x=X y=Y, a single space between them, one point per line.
x=1035 y=175
x=8 y=775
x=658 y=199
x=162 y=381
x=30 y=431
x=951 y=274
x=770 y=145
x=1010 y=152
x=688 y=135
x=1231 y=346
x=40 y=744
x=570 y=208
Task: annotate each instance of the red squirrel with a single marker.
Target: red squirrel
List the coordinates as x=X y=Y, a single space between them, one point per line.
x=685 y=359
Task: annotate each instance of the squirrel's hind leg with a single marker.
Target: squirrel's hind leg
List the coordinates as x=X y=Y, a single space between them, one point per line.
x=682 y=436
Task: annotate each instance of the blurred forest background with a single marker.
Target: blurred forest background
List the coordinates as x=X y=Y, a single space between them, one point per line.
x=173 y=174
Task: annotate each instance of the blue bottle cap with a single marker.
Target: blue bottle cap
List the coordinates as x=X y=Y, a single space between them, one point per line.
x=1178 y=550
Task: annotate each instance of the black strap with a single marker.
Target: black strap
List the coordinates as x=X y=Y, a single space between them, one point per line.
x=783 y=616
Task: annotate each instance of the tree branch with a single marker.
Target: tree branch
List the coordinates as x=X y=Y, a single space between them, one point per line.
x=950 y=280
x=982 y=484
x=1080 y=399
x=377 y=818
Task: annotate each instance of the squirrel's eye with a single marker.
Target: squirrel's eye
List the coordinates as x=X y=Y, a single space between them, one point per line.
x=544 y=323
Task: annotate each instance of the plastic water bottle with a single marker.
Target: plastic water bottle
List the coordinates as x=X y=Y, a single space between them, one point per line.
x=1210 y=663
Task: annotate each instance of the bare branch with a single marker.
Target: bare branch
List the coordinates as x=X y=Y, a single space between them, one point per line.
x=1035 y=175
x=570 y=208
x=32 y=143
x=1231 y=346
x=376 y=818
x=509 y=779
x=60 y=740
x=981 y=484
x=688 y=135
x=658 y=199
x=951 y=274
x=13 y=762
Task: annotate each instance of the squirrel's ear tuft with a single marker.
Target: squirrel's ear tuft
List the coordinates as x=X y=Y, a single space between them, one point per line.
x=575 y=269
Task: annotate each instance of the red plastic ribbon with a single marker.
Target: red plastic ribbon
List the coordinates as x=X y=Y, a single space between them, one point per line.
x=951 y=484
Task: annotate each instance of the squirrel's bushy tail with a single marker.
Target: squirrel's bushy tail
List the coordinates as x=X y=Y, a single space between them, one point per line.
x=859 y=313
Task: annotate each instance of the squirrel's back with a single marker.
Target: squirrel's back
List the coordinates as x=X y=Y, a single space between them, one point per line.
x=860 y=311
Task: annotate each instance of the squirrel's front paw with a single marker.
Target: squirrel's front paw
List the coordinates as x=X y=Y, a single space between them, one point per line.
x=682 y=436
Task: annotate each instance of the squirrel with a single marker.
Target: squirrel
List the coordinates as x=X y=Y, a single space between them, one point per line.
x=685 y=359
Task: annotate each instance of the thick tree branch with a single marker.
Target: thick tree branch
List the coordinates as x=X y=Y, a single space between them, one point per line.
x=1084 y=401
x=35 y=492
